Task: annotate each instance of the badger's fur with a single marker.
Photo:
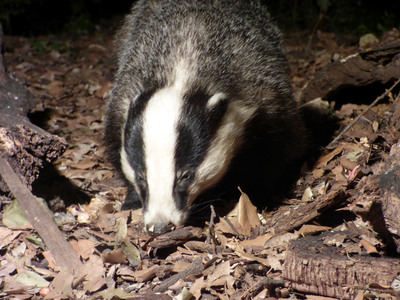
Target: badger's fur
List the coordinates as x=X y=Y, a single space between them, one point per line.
x=201 y=90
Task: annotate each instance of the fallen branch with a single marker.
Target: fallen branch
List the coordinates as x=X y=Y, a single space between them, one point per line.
x=194 y=269
x=306 y=212
x=42 y=222
x=386 y=93
x=176 y=237
x=266 y=283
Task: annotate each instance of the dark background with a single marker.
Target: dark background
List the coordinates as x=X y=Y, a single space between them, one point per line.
x=80 y=17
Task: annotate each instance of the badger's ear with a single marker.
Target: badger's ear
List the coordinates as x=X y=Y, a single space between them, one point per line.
x=215 y=99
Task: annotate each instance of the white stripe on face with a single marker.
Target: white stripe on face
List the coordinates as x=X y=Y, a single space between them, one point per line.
x=160 y=120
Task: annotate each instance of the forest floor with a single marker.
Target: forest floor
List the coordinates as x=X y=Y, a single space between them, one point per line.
x=232 y=257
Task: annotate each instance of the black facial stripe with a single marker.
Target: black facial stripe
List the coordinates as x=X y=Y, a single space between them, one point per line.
x=134 y=145
x=197 y=127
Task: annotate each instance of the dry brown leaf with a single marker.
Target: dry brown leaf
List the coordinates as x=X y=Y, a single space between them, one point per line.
x=249 y=257
x=307 y=195
x=281 y=240
x=16 y=289
x=258 y=241
x=126 y=273
x=7 y=267
x=61 y=286
x=318 y=173
x=197 y=286
x=115 y=256
x=276 y=261
x=221 y=270
x=339 y=177
x=223 y=227
x=312 y=229
x=180 y=266
x=96 y=274
x=368 y=247
x=84 y=248
x=247 y=214
x=7 y=236
x=131 y=252
x=19 y=251
x=243 y=217
x=146 y=274
x=323 y=160
x=84 y=164
x=42 y=271
x=106 y=222
x=122 y=229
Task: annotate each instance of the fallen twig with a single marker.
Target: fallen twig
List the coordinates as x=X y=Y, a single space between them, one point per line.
x=386 y=93
x=177 y=237
x=267 y=283
x=194 y=269
x=211 y=231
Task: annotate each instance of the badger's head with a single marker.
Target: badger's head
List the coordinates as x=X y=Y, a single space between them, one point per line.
x=176 y=144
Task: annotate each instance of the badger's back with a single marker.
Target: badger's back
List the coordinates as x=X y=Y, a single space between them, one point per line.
x=218 y=69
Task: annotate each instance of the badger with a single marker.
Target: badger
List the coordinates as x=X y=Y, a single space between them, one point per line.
x=201 y=104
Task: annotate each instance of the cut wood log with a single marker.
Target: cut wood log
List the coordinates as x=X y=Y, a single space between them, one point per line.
x=312 y=267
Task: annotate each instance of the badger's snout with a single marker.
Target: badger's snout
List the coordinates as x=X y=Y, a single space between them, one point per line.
x=160 y=215
x=159 y=223
x=158 y=228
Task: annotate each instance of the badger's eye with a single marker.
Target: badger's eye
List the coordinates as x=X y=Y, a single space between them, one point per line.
x=185 y=176
x=140 y=178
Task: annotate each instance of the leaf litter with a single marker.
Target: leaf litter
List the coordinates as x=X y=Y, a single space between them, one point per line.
x=240 y=256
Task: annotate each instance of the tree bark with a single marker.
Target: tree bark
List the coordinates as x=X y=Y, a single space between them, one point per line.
x=26 y=146
x=312 y=267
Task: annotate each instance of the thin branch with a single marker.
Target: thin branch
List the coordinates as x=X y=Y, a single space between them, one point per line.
x=42 y=222
x=211 y=232
x=363 y=113
x=194 y=269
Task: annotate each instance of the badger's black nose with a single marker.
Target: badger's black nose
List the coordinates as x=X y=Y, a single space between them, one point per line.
x=158 y=228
